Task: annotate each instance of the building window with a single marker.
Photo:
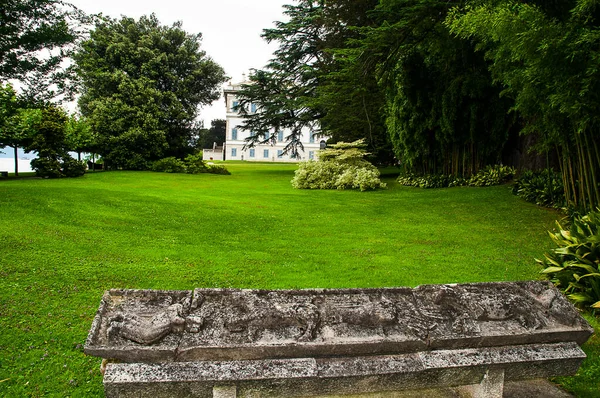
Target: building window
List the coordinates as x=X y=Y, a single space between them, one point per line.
x=252 y=152
x=265 y=153
x=233 y=152
x=234 y=105
x=280 y=136
x=279 y=153
x=253 y=108
x=311 y=155
x=312 y=138
x=234 y=134
x=267 y=135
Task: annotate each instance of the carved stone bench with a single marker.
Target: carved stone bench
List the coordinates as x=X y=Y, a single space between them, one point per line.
x=299 y=343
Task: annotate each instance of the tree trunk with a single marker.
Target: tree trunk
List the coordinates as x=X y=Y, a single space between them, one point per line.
x=16 y=162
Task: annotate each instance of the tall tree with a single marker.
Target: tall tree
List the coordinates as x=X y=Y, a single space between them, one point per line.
x=215 y=134
x=306 y=85
x=443 y=112
x=79 y=136
x=143 y=84
x=37 y=35
x=49 y=140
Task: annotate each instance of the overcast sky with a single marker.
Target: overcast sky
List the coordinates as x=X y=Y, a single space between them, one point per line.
x=230 y=30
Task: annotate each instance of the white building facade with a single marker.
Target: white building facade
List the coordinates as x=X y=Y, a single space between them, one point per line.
x=236 y=137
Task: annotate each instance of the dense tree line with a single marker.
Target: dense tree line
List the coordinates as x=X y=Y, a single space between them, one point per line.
x=140 y=83
x=448 y=86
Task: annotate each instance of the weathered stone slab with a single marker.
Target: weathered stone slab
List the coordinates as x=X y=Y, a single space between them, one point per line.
x=230 y=324
x=304 y=377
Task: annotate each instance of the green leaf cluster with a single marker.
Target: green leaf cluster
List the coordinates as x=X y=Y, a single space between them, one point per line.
x=573 y=265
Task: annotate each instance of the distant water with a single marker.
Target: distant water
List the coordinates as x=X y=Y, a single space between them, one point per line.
x=8 y=164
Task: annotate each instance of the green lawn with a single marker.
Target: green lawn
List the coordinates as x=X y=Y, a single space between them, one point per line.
x=65 y=241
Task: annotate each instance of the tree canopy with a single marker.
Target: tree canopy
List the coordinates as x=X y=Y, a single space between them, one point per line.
x=37 y=35
x=142 y=85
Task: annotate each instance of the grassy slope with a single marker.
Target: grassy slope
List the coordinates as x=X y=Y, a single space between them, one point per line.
x=66 y=241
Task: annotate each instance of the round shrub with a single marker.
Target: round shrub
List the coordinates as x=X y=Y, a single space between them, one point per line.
x=194 y=164
x=72 y=167
x=169 y=165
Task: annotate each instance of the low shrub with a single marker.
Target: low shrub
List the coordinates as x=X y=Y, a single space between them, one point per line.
x=492 y=175
x=169 y=165
x=544 y=188
x=340 y=167
x=218 y=169
x=56 y=166
x=73 y=168
x=573 y=265
x=431 y=181
x=194 y=164
x=46 y=167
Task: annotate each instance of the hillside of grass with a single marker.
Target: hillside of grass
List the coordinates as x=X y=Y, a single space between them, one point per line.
x=64 y=242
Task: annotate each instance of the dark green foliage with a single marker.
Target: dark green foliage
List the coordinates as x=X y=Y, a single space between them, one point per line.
x=47 y=167
x=573 y=265
x=194 y=164
x=544 y=188
x=443 y=112
x=215 y=134
x=142 y=85
x=72 y=167
x=218 y=169
x=545 y=55
x=169 y=165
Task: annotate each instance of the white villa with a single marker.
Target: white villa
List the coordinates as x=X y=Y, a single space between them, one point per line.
x=235 y=137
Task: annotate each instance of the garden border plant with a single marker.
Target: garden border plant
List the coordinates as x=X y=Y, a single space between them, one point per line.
x=486 y=177
x=193 y=164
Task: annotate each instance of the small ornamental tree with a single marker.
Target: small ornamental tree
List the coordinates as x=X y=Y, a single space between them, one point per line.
x=49 y=141
x=340 y=167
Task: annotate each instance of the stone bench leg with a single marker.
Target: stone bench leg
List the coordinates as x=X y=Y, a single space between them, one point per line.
x=492 y=385
x=224 y=392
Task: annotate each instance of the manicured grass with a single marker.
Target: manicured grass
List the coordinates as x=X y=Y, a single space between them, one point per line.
x=66 y=241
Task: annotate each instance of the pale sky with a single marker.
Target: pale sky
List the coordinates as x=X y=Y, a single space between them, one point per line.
x=230 y=30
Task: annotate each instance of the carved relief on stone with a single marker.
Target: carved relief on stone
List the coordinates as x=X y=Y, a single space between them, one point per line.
x=427 y=316
x=147 y=320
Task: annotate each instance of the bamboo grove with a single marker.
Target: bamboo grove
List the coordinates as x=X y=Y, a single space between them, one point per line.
x=444 y=87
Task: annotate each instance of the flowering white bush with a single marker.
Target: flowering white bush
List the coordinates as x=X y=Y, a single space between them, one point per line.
x=341 y=167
